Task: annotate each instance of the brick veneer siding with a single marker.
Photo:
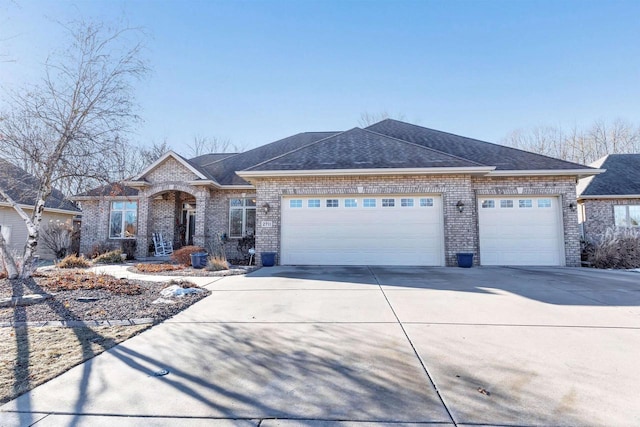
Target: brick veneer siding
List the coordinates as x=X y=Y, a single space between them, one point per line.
x=598 y=215
x=460 y=229
x=561 y=186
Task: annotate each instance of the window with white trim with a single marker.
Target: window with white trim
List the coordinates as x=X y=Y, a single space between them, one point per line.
x=406 y=203
x=388 y=203
x=506 y=204
x=487 y=204
x=627 y=215
x=295 y=203
x=332 y=203
x=350 y=203
x=313 y=203
x=426 y=202
x=544 y=203
x=369 y=203
x=242 y=217
x=527 y=203
x=123 y=219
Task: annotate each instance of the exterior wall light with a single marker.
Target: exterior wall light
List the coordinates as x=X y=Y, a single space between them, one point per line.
x=266 y=207
x=460 y=206
x=572 y=206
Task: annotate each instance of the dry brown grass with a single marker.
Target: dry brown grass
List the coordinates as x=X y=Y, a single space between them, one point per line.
x=32 y=356
x=73 y=280
x=158 y=268
x=74 y=261
x=618 y=248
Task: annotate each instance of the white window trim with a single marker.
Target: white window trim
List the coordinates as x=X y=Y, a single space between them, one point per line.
x=124 y=211
x=244 y=209
x=627 y=216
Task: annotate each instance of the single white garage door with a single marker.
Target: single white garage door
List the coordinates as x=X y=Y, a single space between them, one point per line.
x=363 y=230
x=520 y=231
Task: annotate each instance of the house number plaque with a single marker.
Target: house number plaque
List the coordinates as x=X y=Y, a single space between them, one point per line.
x=266 y=224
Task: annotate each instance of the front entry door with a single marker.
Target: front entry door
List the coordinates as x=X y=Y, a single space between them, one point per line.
x=189 y=222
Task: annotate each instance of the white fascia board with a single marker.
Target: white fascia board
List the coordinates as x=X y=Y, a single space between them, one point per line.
x=204 y=182
x=610 y=196
x=136 y=183
x=474 y=170
x=52 y=210
x=237 y=187
x=547 y=172
x=162 y=159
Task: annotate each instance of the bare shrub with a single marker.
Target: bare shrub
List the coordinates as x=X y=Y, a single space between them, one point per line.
x=157 y=268
x=618 y=248
x=99 y=248
x=74 y=261
x=183 y=255
x=216 y=263
x=56 y=236
x=112 y=257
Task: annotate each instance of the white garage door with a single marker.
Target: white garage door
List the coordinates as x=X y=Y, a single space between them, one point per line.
x=366 y=230
x=520 y=231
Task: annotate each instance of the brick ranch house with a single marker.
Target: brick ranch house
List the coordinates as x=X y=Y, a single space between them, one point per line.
x=390 y=194
x=612 y=199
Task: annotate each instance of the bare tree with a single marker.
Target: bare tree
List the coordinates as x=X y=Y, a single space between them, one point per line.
x=56 y=236
x=205 y=145
x=73 y=124
x=578 y=145
x=367 y=119
x=152 y=153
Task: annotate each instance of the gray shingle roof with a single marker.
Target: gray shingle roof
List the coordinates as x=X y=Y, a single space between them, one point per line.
x=362 y=149
x=486 y=153
x=224 y=170
x=622 y=177
x=22 y=188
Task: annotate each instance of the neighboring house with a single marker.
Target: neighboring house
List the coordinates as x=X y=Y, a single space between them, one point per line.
x=22 y=187
x=611 y=199
x=391 y=194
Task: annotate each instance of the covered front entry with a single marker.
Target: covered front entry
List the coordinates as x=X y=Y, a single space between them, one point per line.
x=362 y=230
x=520 y=230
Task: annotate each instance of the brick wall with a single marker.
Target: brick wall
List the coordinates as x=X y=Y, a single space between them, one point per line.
x=598 y=215
x=460 y=229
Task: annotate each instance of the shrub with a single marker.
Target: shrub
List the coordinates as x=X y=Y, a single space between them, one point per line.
x=56 y=236
x=111 y=257
x=70 y=281
x=98 y=249
x=216 y=263
x=183 y=255
x=618 y=248
x=128 y=247
x=156 y=268
x=74 y=261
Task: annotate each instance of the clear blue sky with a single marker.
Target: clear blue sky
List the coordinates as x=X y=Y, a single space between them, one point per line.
x=257 y=71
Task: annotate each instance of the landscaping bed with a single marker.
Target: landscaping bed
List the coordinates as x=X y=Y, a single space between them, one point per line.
x=81 y=295
x=166 y=269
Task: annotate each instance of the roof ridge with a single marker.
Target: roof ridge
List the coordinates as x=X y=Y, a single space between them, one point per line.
x=298 y=149
x=425 y=148
x=479 y=140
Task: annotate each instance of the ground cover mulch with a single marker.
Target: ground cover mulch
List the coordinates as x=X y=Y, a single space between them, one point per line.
x=81 y=295
x=166 y=269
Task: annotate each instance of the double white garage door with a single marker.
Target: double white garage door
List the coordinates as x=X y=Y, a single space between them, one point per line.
x=408 y=230
x=367 y=230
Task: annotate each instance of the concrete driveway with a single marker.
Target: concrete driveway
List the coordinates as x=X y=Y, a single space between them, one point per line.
x=361 y=345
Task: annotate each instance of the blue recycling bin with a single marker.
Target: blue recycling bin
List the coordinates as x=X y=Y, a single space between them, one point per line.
x=199 y=259
x=465 y=260
x=268 y=259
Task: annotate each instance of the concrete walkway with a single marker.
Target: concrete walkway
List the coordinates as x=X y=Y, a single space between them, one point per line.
x=356 y=346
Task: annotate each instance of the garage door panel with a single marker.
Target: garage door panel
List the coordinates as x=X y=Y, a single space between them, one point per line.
x=362 y=235
x=520 y=235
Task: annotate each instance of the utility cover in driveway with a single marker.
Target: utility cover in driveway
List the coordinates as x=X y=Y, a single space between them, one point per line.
x=520 y=230
x=362 y=230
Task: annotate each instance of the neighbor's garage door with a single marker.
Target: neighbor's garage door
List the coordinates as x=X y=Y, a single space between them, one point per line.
x=371 y=230
x=520 y=231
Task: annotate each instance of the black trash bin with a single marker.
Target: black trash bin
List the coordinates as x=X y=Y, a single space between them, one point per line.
x=199 y=259
x=465 y=260
x=268 y=259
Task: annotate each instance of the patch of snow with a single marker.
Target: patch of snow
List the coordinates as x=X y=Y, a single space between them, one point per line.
x=177 y=291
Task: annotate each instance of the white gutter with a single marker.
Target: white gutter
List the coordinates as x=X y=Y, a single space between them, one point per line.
x=611 y=196
x=81 y=198
x=473 y=170
x=46 y=209
x=547 y=172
